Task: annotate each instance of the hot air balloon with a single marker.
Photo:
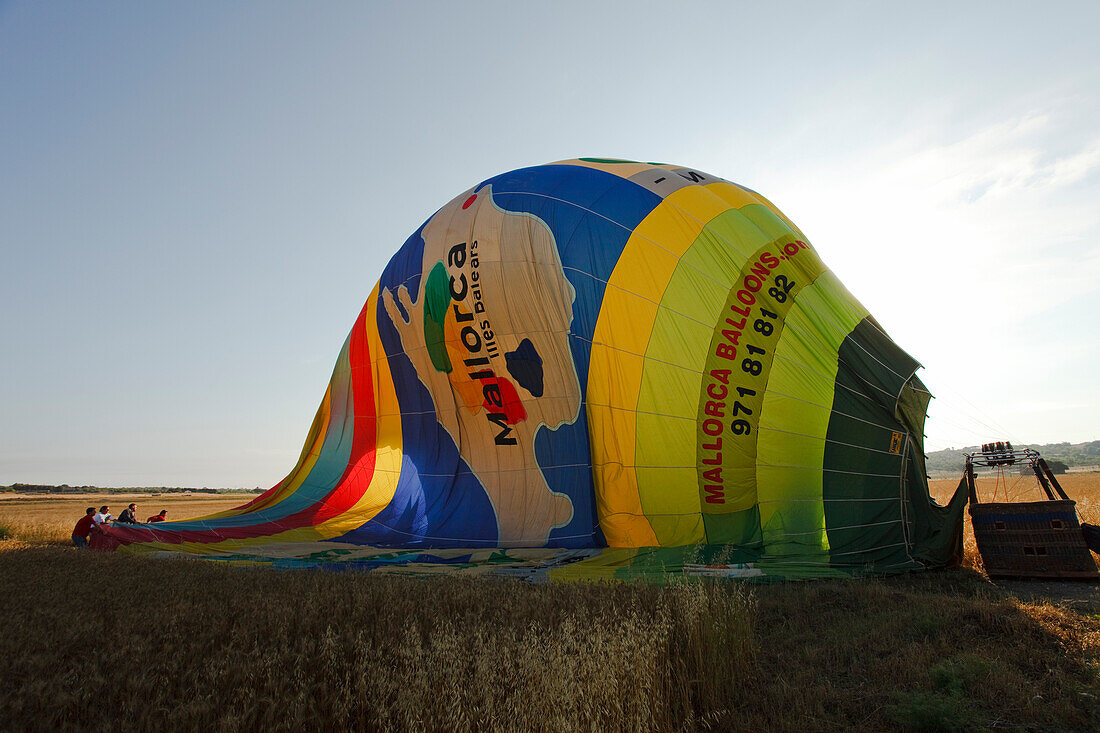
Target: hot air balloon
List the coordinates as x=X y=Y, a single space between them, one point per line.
x=604 y=368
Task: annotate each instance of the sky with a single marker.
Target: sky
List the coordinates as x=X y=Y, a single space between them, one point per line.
x=196 y=198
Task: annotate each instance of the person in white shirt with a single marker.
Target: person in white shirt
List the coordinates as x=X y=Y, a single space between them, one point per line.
x=104 y=515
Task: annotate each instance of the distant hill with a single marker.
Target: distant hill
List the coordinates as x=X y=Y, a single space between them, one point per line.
x=952 y=460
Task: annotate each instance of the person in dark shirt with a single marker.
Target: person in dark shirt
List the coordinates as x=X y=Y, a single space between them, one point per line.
x=158 y=517
x=127 y=516
x=83 y=528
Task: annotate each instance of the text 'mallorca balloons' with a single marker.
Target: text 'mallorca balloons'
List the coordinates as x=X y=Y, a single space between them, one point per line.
x=607 y=368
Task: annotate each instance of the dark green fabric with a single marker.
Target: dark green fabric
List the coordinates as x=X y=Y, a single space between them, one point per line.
x=878 y=513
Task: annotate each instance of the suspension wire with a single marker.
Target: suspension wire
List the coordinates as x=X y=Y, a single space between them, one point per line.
x=975 y=414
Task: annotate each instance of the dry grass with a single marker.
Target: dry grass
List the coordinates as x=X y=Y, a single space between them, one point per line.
x=195 y=645
x=177 y=644
x=199 y=646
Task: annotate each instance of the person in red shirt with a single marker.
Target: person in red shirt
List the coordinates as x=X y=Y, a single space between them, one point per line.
x=83 y=528
x=158 y=517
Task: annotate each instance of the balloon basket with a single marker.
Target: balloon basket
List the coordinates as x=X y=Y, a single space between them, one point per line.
x=1033 y=539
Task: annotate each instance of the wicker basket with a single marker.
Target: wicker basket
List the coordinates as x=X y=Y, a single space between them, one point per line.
x=1037 y=539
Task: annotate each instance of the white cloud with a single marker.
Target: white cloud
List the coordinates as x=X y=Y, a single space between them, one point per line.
x=970 y=252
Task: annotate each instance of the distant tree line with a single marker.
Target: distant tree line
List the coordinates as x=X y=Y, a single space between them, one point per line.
x=66 y=489
x=1059 y=456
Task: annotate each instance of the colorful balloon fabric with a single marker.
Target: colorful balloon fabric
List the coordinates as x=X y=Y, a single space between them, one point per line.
x=604 y=368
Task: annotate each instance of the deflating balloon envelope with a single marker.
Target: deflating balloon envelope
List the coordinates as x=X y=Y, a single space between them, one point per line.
x=608 y=368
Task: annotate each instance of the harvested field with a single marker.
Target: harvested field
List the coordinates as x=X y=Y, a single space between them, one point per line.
x=43 y=518
x=1084 y=488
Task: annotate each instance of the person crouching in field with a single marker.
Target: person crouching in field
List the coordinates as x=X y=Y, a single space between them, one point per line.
x=97 y=540
x=83 y=528
x=128 y=515
x=158 y=517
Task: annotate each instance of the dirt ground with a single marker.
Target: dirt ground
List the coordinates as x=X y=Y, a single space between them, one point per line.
x=1080 y=596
